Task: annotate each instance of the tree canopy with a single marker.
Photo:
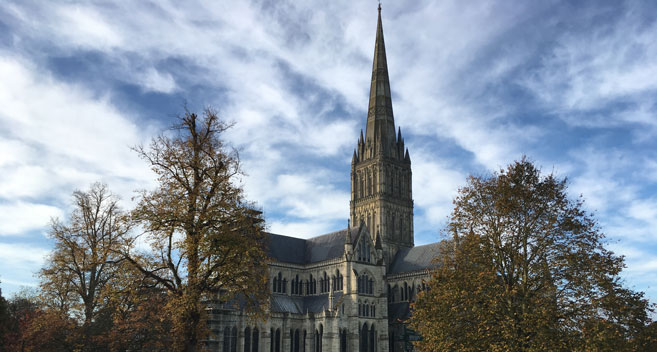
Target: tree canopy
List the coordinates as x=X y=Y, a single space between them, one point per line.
x=82 y=265
x=526 y=270
x=206 y=240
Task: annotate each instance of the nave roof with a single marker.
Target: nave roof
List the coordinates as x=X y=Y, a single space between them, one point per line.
x=312 y=250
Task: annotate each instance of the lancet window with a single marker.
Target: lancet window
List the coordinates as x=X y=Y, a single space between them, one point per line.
x=365 y=284
x=279 y=284
x=337 y=281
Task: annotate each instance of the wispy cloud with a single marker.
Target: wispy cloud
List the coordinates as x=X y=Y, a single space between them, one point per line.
x=475 y=86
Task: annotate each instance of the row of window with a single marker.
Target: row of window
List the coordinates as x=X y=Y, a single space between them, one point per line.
x=308 y=287
x=397 y=226
x=297 y=340
x=364 y=252
x=405 y=292
x=251 y=339
x=365 y=284
x=365 y=183
x=367 y=339
x=366 y=309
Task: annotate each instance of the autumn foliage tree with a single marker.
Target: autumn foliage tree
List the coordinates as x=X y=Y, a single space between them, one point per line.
x=27 y=326
x=138 y=313
x=82 y=265
x=526 y=270
x=207 y=241
x=4 y=318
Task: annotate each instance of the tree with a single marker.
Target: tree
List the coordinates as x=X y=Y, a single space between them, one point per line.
x=4 y=319
x=138 y=313
x=207 y=241
x=526 y=270
x=22 y=308
x=29 y=326
x=83 y=262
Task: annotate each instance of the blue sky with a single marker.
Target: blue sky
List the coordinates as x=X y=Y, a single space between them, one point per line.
x=476 y=84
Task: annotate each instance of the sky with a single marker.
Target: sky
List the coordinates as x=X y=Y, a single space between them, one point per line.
x=476 y=85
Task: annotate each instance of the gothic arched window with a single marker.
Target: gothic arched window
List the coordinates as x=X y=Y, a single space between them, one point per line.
x=372 y=338
x=279 y=283
x=296 y=340
x=277 y=342
x=364 y=337
x=343 y=340
x=360 y=189
x=255 y=340
x=233 y=339
x=226 y=340
x=369 y=184
x=247 y=339
x=365 y=284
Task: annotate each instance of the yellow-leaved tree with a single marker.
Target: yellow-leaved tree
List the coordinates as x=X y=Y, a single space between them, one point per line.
x=207 y=242
x=526 y=270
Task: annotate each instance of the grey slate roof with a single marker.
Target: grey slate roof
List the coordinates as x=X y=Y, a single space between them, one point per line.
x=301 y=304
x=299 y=251
x=416 y=258
x=287 y=249
x=325 y=247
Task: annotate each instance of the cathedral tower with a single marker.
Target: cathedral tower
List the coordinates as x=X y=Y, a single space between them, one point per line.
x=381 y=195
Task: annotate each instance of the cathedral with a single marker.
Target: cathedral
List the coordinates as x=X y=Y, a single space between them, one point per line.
x=349 y=290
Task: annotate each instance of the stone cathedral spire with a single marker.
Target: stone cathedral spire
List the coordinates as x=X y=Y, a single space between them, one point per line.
x=380 y=121
x=381 y=193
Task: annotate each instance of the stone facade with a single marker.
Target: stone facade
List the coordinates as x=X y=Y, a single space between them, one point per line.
x=348 y=290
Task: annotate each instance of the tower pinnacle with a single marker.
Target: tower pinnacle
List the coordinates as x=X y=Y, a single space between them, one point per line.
x=380 y=129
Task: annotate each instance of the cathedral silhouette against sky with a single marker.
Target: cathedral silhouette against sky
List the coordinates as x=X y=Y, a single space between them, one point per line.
x=348 y=290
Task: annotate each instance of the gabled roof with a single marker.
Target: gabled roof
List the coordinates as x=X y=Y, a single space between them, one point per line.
x=305 y=251
x=414 y=259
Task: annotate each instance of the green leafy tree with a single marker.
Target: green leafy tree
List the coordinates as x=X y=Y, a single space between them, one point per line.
x=526 y=270
x=207 y=241
x=83 y=263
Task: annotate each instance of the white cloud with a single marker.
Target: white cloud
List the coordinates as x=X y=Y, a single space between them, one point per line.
x=19 y=264
x=608 y=63
x=281 y=68
x=18 y=255
x=83 y=26
x=62 y=136
x=435 y=184
x=19 y=217
x=307 y=197
x=300 y=229
x=157 y=81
